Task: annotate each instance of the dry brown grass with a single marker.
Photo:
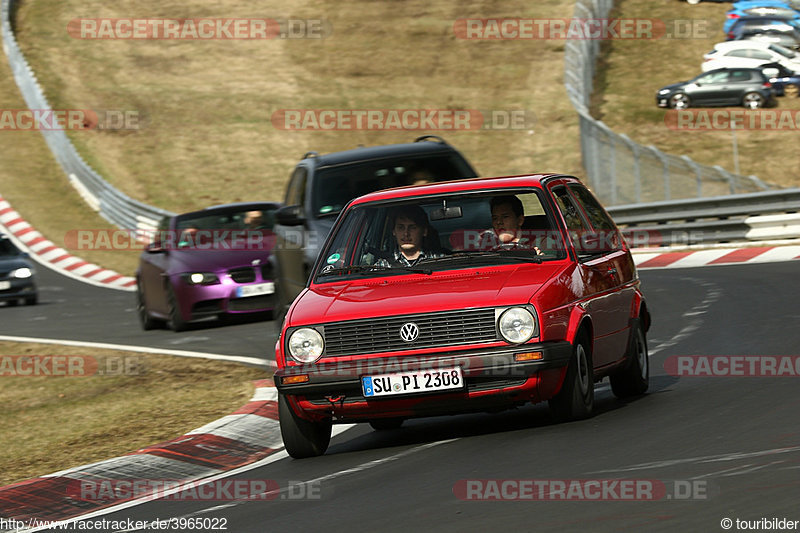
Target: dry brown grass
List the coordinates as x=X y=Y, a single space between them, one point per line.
x=54 y=423
x=635 y=70
x=207 y=136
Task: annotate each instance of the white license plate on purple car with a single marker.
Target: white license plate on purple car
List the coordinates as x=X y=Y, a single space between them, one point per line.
x=258 y=289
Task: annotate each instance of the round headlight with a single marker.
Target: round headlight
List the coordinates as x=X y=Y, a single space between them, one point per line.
x=306 y=345
x=22 y=273
x=197 y=277
x=516 y=325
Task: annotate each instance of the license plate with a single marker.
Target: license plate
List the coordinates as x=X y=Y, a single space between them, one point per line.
x=255 y=290
x=412 y=382
x=5 y=285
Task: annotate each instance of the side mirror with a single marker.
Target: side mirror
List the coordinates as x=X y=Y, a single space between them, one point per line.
x=291 y=215
x=155 y=248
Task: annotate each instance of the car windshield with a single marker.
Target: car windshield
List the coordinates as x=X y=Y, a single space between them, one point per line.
x=785 y=52
x=7 y=248
x=335 y=186
x=223 y=224
x=440 y=233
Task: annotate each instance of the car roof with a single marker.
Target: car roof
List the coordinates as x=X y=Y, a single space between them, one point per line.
x=742 y=44
x=231 y=207
x=464 y=185
x=380 y=152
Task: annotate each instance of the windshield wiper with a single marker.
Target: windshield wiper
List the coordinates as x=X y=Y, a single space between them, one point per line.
x=354 y=269
x=505 y=254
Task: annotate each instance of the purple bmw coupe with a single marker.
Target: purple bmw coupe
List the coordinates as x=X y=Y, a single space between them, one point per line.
x=206 y=264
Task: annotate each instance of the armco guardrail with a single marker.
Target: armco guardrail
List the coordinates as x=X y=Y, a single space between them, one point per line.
x=771 y=215
x=620 y=170
x=113 y=205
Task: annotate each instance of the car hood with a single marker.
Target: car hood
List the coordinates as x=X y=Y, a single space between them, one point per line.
x=673 y=86
x=214 y=260
x=418 y=293
x=9 y=263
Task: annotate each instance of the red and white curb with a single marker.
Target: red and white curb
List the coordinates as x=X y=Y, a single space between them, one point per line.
x=48 y=254
x=730 y=255
x=246 y=436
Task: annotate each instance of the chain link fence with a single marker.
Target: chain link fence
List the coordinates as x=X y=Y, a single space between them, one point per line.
x=111 y=204
x=620 y=170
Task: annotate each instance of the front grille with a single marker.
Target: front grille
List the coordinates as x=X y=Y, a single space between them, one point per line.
x=206 y=308
x=252 y=303
x=242 y=275
x=376 y=335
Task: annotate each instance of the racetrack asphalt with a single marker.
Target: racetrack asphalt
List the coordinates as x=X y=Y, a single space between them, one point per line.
x=722 y=447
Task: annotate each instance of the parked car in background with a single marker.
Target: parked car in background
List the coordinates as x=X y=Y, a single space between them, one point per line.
x=206 y=264
x=526 y=293
x=749 y=54
x=748 y=87
x=17 y=275
x=321 y=185
x=789 y=39
x=774 y=9
x=749 y=25
x=784 y=81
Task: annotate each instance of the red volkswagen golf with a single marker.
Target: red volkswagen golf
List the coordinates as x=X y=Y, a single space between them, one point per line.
x=461 y=296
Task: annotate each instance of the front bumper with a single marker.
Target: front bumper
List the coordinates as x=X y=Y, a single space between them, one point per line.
x=201 y=301
x=493 y=380
x=20 y=288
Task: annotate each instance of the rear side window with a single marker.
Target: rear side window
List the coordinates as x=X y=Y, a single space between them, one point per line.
x=741 y=75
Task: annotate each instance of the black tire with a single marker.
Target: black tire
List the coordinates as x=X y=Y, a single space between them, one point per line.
x=32 y=300
x=300 y=437
x=575 y=400
x=753 y=101
x=12 y=303
x=176 y=322
x=385 y=424
x=679 y=101
x=145 y=320
x=634 y=379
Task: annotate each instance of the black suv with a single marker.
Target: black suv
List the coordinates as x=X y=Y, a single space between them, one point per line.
x=321 y=185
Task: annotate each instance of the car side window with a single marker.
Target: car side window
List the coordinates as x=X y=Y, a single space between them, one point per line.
x=713 y=77
x=576 y=225
x=740 y=76
x=738 y=53
x=296 y=192
x=604 y=227
x=760 y=54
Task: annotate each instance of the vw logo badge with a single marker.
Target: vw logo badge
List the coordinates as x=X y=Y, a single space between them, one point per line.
x=409 y=332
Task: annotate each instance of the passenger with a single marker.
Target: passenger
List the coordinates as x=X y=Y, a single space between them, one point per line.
x=410 y=229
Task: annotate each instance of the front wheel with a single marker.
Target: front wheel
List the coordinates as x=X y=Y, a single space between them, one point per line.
x=753 y=101
x=575 y=400
x=145 y=320
x=302 y=438
x=679 y=101
x=634 y=379
x=31 y=300
x=176 y=322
